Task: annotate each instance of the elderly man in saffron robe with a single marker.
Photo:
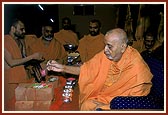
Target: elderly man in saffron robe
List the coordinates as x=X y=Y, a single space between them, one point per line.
x=48 y=46
x=119 y=70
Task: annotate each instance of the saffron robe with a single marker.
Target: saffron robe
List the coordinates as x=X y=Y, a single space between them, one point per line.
x=90 y=46
x=67 y=37
x=131 y=75
x=12 y=75
x=55 y=51
x=29 y=40
x=139 y=45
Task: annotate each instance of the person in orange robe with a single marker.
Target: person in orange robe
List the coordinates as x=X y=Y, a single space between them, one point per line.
x=49 y=47
x=29 y=40
x=92 y=43
x=66 y=35
x=119 y=70
x=14 y=59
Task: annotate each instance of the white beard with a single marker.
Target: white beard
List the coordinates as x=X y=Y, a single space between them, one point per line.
x=48 y=38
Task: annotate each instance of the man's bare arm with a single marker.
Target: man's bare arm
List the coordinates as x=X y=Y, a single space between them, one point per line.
x=20 y=61
x=54 y=66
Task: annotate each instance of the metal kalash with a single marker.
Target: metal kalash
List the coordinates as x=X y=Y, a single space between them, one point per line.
x=72 y=54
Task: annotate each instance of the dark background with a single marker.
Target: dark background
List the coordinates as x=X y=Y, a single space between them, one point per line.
x=33 y=17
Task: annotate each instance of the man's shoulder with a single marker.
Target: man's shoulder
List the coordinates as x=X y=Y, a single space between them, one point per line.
x=97 y=58
x=59 y=32
x=101 y=34
x=71 y=32
x=31 y=37
x=7 y=36
x=56 y=42
x=132 y=52
x=62 y=31
x=85 y=36
x=8 y=41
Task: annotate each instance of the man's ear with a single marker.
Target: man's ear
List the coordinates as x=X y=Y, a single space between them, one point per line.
x=13 y=29
x=43 y=30
x=123 y=46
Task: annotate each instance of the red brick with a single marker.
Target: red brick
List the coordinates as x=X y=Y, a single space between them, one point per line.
x=32 y=105
x=46 y=94
x=24 y=92
x=24 y=105
x=42 y=105
x=20 y=92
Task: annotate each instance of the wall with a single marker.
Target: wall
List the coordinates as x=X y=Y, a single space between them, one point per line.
x=104 y=12
x=34 y=18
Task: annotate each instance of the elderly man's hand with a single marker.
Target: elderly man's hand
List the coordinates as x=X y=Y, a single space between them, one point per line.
x=54 y=66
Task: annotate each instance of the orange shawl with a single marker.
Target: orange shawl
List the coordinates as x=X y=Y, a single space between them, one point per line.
x=54 y=51
x=139 y=45
x=134 y=77
x=29 y=40
x=14 y=75
x=66 y=37
x=90 y=45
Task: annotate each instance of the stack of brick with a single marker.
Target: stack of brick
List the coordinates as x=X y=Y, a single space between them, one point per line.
x=29 y=98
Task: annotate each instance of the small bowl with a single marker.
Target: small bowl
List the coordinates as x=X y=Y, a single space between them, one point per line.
x=70 y=47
